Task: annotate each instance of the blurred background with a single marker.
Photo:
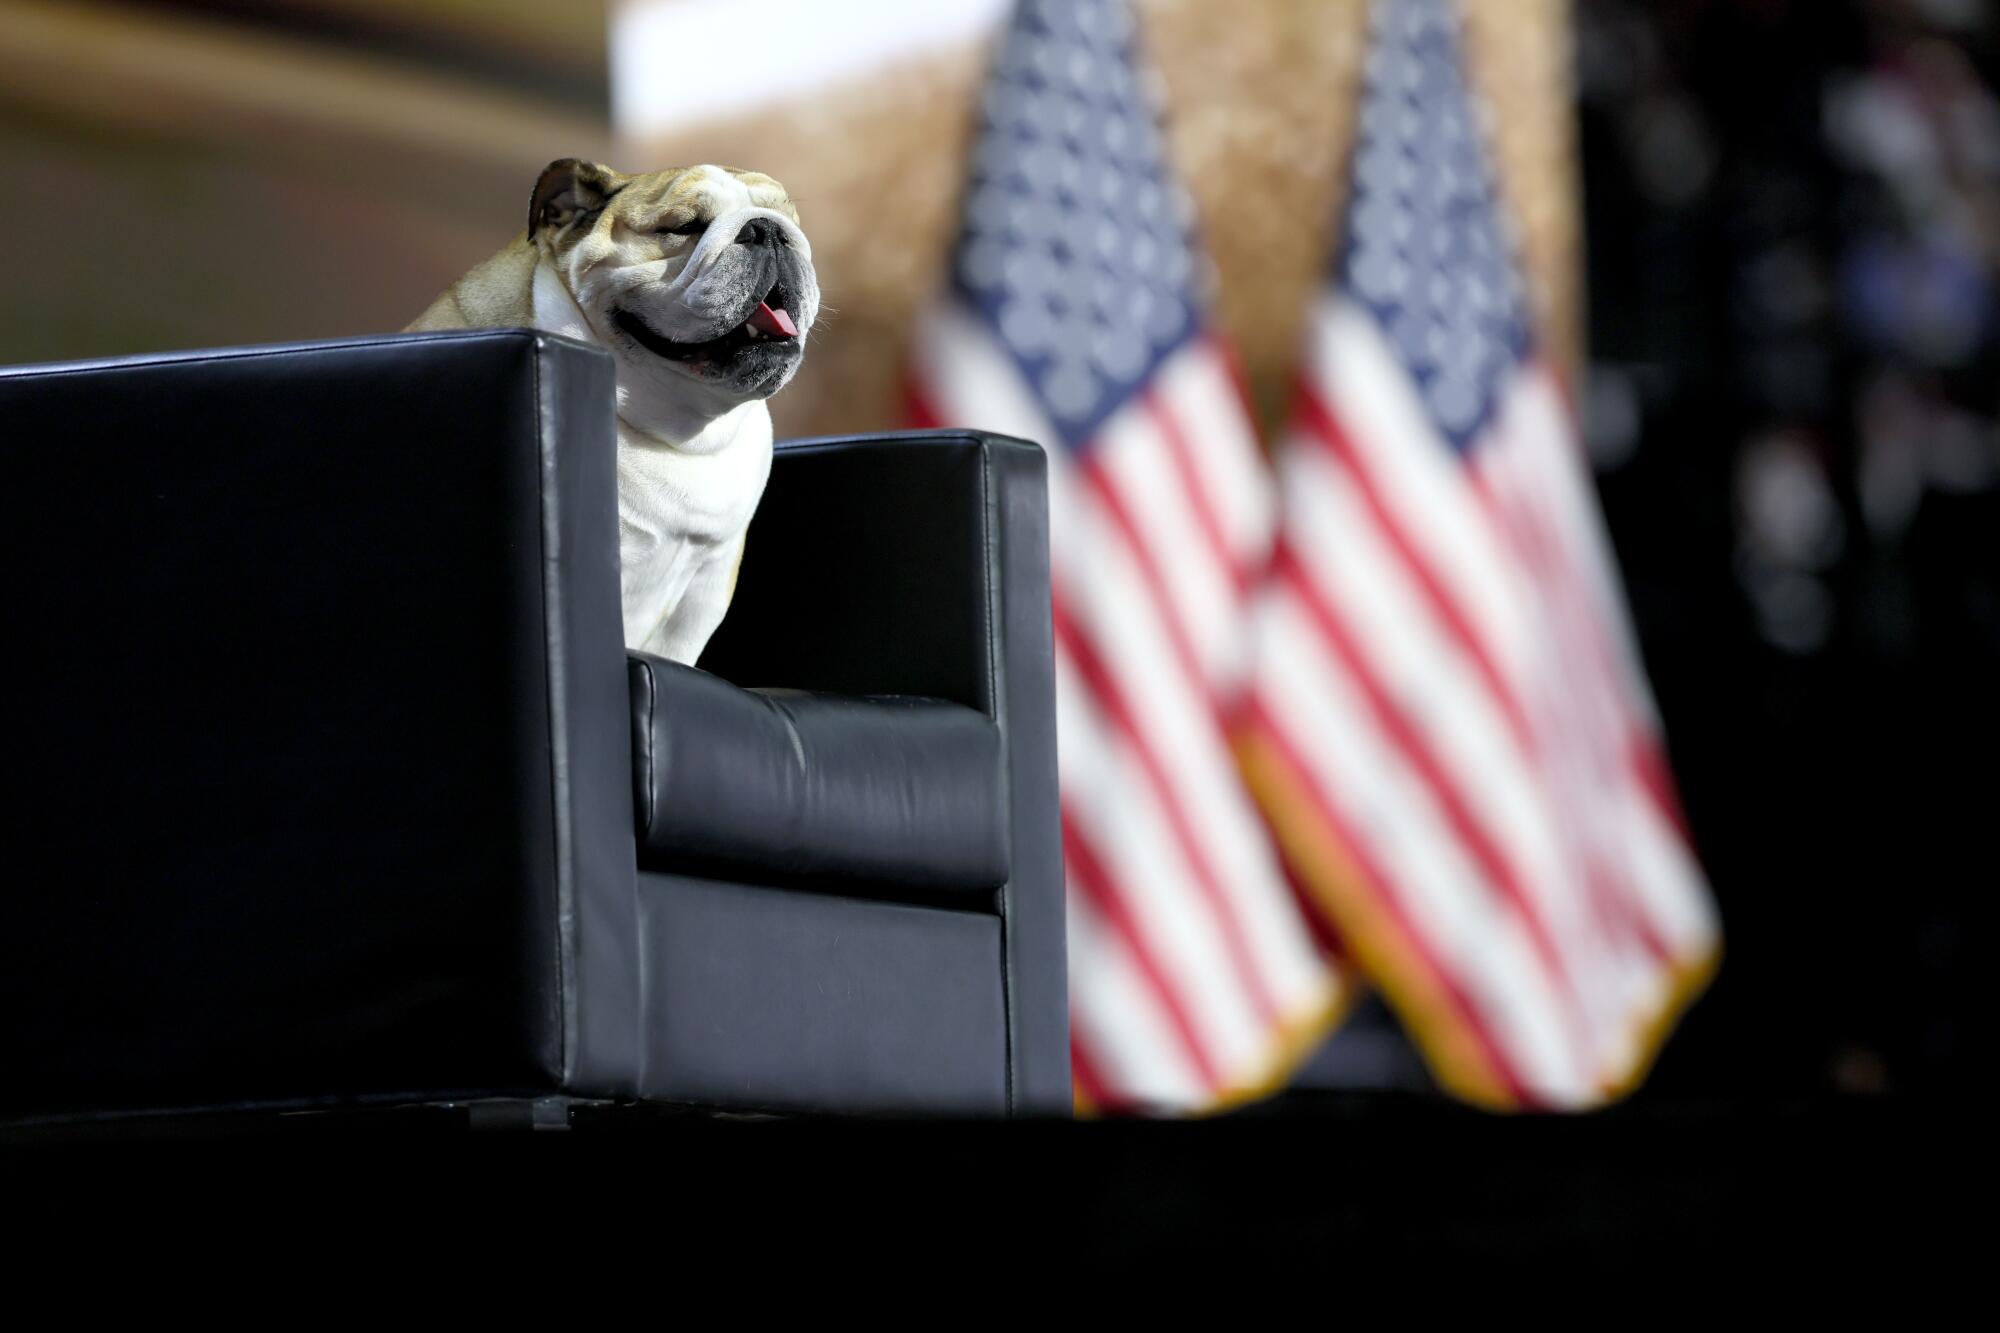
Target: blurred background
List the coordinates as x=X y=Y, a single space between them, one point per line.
x=1761 y=234
x=1791 y=405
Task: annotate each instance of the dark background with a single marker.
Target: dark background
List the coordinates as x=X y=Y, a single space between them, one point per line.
x=1790 y=211
x=1791 y=236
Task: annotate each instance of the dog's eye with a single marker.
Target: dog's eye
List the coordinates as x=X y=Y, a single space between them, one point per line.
x=692 y=227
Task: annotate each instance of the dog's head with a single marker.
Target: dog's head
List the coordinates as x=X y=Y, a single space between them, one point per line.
x=698 y=278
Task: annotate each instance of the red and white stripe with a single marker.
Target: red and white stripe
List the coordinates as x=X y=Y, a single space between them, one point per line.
x=1192 y=968
x=1446 y=678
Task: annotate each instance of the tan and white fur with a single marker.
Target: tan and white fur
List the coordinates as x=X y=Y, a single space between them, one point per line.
x=700 y=284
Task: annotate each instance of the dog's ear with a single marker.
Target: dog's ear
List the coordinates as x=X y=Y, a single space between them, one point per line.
x=568 y=189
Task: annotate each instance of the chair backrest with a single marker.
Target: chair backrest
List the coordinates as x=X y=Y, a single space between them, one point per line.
x=294 y=637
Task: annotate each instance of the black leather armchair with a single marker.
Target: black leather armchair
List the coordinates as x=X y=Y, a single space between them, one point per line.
x=327 y=778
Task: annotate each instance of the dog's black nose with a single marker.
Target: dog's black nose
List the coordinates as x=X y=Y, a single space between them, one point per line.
x=758 y=231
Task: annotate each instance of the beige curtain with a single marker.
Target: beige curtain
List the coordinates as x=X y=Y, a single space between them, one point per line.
x=181 y=181
x=1259 y=94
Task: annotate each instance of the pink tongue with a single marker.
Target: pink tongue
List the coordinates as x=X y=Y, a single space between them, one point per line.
x=776 y=323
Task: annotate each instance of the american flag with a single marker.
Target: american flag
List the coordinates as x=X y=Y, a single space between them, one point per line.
x=1449 y=728
x=1073 y=318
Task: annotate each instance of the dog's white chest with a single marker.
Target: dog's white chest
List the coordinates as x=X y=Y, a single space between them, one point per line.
x=683 y=506
x=682 y=510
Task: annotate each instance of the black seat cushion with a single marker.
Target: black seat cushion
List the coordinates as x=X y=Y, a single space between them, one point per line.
x=886 y=790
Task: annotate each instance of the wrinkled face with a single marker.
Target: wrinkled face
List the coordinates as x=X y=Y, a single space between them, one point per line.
x=698 y=275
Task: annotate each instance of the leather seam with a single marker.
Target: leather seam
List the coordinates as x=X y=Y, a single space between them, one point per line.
x=70 y=369
x=654 y=741
x=990 y=612
x=551 y=638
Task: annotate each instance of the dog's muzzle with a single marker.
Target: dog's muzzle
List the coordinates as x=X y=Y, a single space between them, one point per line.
x=741 y=304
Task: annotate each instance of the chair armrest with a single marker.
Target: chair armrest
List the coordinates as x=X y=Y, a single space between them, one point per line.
x=876 y=565
x=918 y=563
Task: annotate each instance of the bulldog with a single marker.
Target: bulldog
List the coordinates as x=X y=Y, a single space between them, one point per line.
x=700 y=284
